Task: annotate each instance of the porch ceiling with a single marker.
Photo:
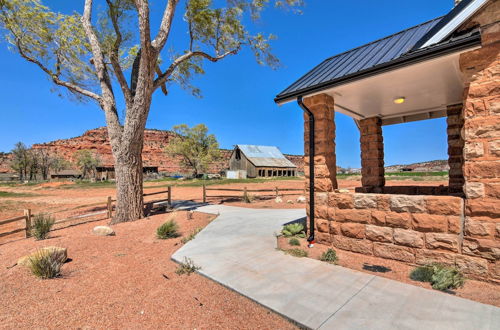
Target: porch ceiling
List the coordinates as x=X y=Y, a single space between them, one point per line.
x=428 y=87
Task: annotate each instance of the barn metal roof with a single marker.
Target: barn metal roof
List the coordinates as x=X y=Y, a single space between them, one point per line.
x=265 y=156
x=383 y=52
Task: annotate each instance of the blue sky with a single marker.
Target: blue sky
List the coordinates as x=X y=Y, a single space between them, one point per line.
x=237 y=103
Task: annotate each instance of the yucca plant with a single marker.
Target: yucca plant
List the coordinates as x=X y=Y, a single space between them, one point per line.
x=293 y=229
x=46 y=264
x=329 y=256
x=169 y=229
x=42 y=225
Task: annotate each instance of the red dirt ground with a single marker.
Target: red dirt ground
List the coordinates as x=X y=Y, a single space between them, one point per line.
x=483 y=292
x=123 y=281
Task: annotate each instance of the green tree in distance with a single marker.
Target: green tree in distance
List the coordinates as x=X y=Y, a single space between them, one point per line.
x=195 y=146
x=86 y=162
x=92 y=55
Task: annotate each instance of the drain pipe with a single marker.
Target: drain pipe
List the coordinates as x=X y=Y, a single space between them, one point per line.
x=311 y=170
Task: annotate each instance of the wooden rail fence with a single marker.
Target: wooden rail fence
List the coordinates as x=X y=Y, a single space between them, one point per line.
x=28 y=217
x=272 y=192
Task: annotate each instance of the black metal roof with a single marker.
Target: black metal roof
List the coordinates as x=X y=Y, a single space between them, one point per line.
x=376 y=55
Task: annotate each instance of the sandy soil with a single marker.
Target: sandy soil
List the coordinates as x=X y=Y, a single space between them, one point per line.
x=483 y=292
x=123 y=282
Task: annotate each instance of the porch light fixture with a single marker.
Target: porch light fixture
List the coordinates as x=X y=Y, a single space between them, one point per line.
x=400 y=100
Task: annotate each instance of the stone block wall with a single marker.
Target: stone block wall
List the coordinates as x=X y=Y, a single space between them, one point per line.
x=455 y=122
x=325 y=166
x=481 y=134
x=372 y=154
x=413 y=229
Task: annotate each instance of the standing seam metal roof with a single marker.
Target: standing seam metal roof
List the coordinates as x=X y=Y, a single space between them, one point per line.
x=265 y=156
x=363 y=57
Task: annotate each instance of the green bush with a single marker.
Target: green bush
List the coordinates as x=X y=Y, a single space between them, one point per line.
x=446 y=278
x=440 y=276
x=294 y=241
x=168 y=230
x=329 y=256
x=41 y=226
x=45 y=264
x=293 y=229
x=422 y=273
x=296 y=253
x=186 y=267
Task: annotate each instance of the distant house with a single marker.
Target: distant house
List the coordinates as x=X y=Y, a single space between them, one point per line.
x=9 y=177
x=105 y=173
x=261 y=161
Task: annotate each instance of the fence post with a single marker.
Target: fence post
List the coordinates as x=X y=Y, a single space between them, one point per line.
x=277 y=192
x=204 y=194
x=169 y=196
x=27 y=215
x=110 y=207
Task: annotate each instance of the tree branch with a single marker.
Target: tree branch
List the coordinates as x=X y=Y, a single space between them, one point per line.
x=165 y=26
x=55 y=76
x=144 y=26
x=178 y=61
x=115 y=54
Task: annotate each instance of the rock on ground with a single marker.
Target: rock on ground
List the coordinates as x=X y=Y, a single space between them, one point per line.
x=103 y=231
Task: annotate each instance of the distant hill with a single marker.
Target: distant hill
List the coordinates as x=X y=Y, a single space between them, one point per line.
x=430 y=166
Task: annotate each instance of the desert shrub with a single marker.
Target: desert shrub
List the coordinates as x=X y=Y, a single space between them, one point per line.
x=440 y=276
x=329 y=256
x=446 y=278
x=294 y=241
x=422 y=273
x=168 y=230
x=297 y=253
x=293 y=229
x=45 y=264
x=191 y=236
x=41 y=226
x=186 y=267
x=248 y=198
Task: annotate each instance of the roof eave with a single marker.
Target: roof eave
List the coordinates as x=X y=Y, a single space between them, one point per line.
x=412 y=58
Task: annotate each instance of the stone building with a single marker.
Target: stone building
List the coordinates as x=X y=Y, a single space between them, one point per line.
x=447 y=67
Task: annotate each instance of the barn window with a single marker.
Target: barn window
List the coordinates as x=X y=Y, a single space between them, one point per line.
x=238 y=154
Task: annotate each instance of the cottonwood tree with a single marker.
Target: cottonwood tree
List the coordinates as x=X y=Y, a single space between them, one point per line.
x=21 y=160
x=196 y=148
x=48 y=161
x=92 y=55
x=87 y=162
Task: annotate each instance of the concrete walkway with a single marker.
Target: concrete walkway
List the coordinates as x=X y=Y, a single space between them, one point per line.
x=238 y=250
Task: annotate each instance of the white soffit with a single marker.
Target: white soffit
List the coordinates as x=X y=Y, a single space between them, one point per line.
x=428 y=87
x=458 y=20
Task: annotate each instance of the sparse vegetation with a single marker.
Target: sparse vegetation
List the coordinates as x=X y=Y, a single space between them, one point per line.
x=293 y=241
x=248 y=198
x=422 y=273
x=14 y=194
x=42 y=225
x=186 y=267
x=296 y=252
x=293 y=229
x=46 y=264
x=191 y=236
x=168 y=230
x=329 y=256
x=440 y=276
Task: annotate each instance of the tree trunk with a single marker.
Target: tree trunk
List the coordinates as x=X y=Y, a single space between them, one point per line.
x=128 y=172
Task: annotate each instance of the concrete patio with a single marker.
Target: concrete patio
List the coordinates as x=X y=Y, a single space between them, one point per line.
x=238 y=250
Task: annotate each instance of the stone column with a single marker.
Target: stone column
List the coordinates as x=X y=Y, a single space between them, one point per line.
x=372 y=154
x=455 y=121
x=481 y=69
x=325 y=169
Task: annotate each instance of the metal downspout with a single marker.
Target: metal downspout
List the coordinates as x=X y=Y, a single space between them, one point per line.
x=311 y=169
